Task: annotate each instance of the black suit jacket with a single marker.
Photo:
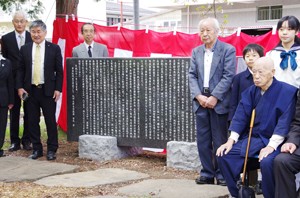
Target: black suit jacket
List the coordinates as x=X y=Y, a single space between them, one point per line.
x=53 y=71
x=10 y=49
x=6 y=83
x=294 y=133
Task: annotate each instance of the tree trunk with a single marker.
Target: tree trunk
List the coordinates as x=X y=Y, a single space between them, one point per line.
x=66 y=7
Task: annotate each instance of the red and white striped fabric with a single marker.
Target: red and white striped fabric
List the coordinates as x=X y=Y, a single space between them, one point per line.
x=122 y=42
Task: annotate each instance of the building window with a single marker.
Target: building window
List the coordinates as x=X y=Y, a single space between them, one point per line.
x=269 y=13
x=172 y=23
x=114 y=20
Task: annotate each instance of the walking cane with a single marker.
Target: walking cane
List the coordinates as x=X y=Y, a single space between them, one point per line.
x=245 y=191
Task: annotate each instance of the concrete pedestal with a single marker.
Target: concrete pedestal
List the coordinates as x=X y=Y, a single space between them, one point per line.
x=103 y=148
x=183 y=155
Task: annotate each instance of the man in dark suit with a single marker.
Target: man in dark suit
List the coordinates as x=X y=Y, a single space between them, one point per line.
x=287 y=163
x=89 y=48
x=11 y=43
x=7 y=95
x=40 y=75
x=210 y=77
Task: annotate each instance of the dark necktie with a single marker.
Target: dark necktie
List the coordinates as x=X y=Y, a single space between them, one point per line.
x=285 y=58
x=89 y=51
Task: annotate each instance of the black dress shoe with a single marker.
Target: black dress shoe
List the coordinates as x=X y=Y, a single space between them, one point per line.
x=51 y=155
x=204 y=180
x=27 y=146
x=258 y=188
x=221 y=182
x=36 y=154
x=14 y=147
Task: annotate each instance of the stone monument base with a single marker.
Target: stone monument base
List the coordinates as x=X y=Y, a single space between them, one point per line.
x=180 y=155
x=183 y=155
x=103 y=148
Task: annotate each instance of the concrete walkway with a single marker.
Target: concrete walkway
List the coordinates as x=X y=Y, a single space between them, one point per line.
x=46 y=173
x=13 y=169
x=92 y=178
x=175 y=188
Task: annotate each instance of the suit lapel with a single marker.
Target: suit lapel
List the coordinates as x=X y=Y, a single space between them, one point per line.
x=96 y=50
x=83 y=51
x=28 y=37
x=28 y=52
x=47 y=48
x=216 y=59
x=14 y=41
x=200 y=61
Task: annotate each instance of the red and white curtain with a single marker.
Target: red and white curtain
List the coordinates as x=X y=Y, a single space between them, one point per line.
x=122 y=42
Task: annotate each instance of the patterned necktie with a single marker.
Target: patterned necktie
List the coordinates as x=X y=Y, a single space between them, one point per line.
x=37 y=65
x=89 y=51
x=22 y=41
x=285 y=58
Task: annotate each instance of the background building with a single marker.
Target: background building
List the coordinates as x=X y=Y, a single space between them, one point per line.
x=250 y=16
x=253 y=17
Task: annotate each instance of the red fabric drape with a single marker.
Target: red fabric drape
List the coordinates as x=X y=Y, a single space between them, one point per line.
x=142 y=44
x=69 y=32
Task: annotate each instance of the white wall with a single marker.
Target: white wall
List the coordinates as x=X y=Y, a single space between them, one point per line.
x=88 y=10
x=239 y=17
x=49 y=16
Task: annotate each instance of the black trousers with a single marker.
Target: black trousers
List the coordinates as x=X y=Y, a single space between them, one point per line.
x=37 y=101
x=3 y=123
x=286 y=165
x=15 y=120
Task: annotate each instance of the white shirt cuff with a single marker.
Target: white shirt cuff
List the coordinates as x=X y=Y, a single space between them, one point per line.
x=275 y=141
x=234 y=135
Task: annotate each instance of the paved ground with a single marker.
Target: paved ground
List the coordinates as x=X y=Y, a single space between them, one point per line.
x=14 y=169
x=92 y=178
x=58 y=174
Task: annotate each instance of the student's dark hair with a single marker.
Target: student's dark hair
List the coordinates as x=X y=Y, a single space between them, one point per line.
x=87 y=24
x=293 y=23
x=253 y=47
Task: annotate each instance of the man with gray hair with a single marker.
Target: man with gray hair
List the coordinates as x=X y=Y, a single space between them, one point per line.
x=274 y=103
x=11 y=44
x=210 y=77
x=40 y=76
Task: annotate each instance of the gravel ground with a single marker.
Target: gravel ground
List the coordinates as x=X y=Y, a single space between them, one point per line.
x=153 y=164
